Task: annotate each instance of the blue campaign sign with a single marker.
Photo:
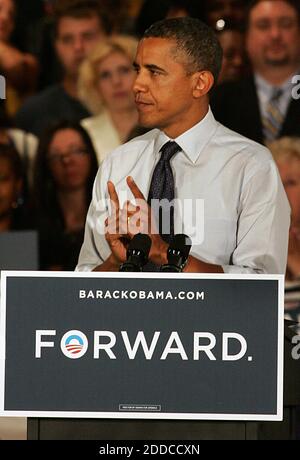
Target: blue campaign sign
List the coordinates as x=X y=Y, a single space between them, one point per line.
x=150 y=346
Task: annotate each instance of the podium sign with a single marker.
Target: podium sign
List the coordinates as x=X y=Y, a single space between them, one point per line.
x=152 y=346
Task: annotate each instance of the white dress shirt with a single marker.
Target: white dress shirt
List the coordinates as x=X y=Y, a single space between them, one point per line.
x=246 y=213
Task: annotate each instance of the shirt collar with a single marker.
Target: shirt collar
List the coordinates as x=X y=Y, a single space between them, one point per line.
x=268 y=89
x=193 y=141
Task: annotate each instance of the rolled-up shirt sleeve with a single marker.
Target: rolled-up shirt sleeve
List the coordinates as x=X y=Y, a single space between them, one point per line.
x=95 y=248
x=263 y=225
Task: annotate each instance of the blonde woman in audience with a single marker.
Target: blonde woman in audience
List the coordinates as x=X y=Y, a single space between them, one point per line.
x=105 y=87
x=286 y=152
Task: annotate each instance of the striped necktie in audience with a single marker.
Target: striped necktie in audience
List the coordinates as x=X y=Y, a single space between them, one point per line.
x=273 y=119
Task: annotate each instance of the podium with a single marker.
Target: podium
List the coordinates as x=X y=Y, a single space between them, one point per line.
x=111 y=357
x=77 y=429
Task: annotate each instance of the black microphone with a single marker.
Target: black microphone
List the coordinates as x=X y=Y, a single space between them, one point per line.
x=178 y=253
x=137 y=253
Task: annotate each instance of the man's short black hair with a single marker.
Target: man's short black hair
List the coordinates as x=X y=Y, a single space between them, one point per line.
x=79 y=9
x=197 y=41
x=252 y=4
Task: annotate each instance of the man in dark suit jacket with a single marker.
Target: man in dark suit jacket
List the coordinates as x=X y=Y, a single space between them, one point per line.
x=273 y=45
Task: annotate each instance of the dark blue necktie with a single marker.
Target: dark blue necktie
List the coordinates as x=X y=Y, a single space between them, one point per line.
x=162 y=187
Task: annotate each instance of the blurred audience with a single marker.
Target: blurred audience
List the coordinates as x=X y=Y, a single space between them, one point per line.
x=225 y=10
x=117 y=13
x=86 y=108
x=286 y=152
x=29 y=14
x=78 y=28
x=65 y=168
x=20 y=69
x=24 y=143
x=105 y=87
x=181 y=8
x=234 y=64
x=155 y=10
x=261 y=106
x=43 y=30
x=42 y=44
x=13 y=212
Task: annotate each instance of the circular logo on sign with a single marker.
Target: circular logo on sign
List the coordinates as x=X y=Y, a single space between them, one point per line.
x=74 y=344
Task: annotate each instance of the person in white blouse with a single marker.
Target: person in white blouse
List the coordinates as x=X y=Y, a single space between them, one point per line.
x=105 y=87
x=245 y=213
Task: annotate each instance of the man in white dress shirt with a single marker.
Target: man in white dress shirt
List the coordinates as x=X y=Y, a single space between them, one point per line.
x=229 y=181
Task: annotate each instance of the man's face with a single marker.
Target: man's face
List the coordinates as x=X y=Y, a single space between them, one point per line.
x=163 y=90
x=233 y=46
x=76 y=37
x=273 y=37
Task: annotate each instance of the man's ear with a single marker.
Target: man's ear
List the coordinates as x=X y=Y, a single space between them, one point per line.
x=202 y=83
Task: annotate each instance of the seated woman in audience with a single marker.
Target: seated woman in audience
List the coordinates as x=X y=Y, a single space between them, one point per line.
x=286 y=152
x=65 y=169
x=13 y=213
x=105 y=87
